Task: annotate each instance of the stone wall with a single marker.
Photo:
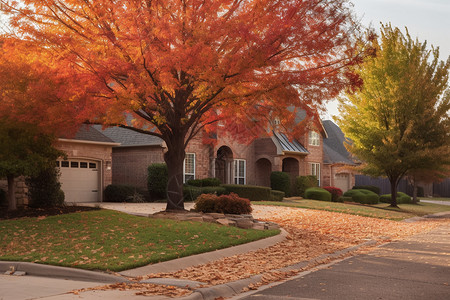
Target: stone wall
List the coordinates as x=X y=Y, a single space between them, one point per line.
x=21 y=190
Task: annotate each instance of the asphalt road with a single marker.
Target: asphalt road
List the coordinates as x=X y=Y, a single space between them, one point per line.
x=417 y=268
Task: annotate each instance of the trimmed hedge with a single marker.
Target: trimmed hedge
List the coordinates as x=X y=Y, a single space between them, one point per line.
x=190 y=193
x=205 y=182
x=344 y=199
x=302 y=183
x=157 y=181
x=335 y=192
x=316 y=193
x=402 y=198
x=227 y=204
x=362 y=196
x=372 y=188
x=119 y=193
x=280 y=181
x=252 y=192
x=276 y=195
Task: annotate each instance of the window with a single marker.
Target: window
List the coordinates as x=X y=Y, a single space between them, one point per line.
x=315 y=170
x=239 y=171
x=92 y=165
x=189 y=167
x=65 y=164
x=314 y=138
x=83 y=165
x=74 y=164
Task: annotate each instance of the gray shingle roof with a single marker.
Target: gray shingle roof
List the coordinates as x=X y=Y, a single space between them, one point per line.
x=291 y=146
x=333 y=149
x=89 y=133
x=128 y=137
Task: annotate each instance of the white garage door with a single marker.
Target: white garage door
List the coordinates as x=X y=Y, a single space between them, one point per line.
x=342 y=181
x=80 y=180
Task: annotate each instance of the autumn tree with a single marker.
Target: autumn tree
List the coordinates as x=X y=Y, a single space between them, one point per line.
x=398 y=121
x=179 y=66
x=24 y=151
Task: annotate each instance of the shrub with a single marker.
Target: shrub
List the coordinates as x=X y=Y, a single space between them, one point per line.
x=316 y=193
x=190 y=193
x=119 y=193
x=204 y=182
x=280 y=181
x=344 y=199
x=252 y=192
x=206 y=203
x=157 y=181
x=276 y=195
x=402 y=198
x=227 y=204
x=44 y=189
x=420 y=192
x=362 y=196
x=334 y=191
x=304 y=182
x=372 y=188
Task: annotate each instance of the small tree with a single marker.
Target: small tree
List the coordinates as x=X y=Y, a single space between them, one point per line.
x=44 y=188
x=23 y=151
x=398 y=121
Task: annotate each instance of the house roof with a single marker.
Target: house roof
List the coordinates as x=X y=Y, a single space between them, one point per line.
x=128 y=137
x=290 y=146
x=88 y=133
x=333 y=146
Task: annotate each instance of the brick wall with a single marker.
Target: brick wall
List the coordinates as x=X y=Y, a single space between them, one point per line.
x=130 y=164
x=21 y=190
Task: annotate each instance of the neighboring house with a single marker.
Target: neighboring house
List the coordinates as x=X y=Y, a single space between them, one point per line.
x=337 y=160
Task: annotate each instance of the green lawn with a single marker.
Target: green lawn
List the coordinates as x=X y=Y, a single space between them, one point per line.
x=111 y=240
x=381 y=211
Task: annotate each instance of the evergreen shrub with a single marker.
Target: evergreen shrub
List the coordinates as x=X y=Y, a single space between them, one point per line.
x=402 y=198
x=280 y=181
x=157 y=181
x=316 y=193
x=119 y=193
x=336 y=193
x=252 y=192
x=372 y=188
x=44 y=188
x=362 y=196
x=205 y=182
x=190 y=193
x=276 y=195
x=304 y=182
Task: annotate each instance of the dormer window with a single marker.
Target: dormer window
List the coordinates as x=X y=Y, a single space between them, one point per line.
x=314 y=138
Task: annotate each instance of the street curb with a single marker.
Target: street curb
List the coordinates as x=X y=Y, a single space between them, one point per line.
x=235 y=287
x=60 y=272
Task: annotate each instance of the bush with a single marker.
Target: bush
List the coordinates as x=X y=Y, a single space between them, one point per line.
x=44 y=189
x=362 y=196
x=280 y=181
x=252 y=192
x=402 y=198
x=205 y=182
x=316 y=193
x=157 y=181
x=344 y=199
x=227 y=204
x=119 y=193
x=276 y=195
x=420 y=192
x=304 y=182
x=372 y=188
x=190 y=193
x=335 y=192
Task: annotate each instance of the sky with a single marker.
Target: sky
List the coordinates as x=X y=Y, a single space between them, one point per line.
x=427 y=20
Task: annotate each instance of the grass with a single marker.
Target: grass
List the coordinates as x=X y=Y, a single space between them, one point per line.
x=111 y=240
x=381 y=211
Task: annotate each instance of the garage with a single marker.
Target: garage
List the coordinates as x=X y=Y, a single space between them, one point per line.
x=80 y=180
x=342 y=181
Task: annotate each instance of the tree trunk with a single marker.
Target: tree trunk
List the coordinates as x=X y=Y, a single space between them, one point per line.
x=12 y=202
x=174 y=159
x=394 y=184
x=414 y=191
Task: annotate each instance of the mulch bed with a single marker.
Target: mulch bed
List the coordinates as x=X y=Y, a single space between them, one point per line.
x=30 y=212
